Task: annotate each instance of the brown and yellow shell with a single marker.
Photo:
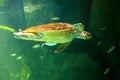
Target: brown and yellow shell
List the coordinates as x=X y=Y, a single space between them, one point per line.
x=52 y=27
x=53 y=32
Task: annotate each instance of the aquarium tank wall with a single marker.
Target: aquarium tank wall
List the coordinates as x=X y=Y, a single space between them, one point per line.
x=97 y=58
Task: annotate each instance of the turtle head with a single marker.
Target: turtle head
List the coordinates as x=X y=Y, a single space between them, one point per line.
x=83 y=35
x=80 y=32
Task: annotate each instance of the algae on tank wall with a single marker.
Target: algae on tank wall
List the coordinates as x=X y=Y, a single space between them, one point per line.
x=3 y=2
x=13 y=67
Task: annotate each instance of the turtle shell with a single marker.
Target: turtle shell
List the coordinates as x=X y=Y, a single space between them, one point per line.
x=53 y=33
x=52 y=27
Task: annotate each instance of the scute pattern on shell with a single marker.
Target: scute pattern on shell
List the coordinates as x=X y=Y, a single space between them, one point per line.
x=50 y=27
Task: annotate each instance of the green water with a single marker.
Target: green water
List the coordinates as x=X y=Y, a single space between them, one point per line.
x=82 y=60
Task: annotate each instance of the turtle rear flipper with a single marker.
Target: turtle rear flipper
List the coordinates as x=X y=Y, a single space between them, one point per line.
x=61 y=47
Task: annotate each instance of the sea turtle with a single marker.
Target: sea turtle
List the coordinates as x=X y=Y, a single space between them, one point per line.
x=54 y=33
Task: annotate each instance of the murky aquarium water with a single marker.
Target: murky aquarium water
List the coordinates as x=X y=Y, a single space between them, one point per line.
x=57 y=40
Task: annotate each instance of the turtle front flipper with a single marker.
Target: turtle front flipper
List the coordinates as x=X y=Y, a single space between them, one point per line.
x=61 y=47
